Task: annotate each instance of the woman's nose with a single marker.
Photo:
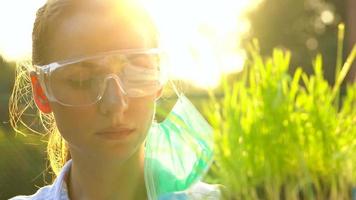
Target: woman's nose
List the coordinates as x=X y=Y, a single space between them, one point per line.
x=114 y=102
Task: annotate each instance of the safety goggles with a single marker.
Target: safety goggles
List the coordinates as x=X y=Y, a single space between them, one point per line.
x=83 y=81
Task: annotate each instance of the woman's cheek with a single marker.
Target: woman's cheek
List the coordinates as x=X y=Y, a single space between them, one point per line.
x=71 y=119
x=142 y=111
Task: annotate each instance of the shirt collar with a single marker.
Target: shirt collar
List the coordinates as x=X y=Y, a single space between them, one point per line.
x=60 y=188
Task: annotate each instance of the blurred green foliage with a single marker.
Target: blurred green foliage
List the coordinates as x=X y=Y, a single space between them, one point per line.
x=282 y=136
x=7 y=78
x=22 y=164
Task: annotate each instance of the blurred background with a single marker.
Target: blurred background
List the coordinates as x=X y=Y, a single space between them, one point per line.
x=213 y=37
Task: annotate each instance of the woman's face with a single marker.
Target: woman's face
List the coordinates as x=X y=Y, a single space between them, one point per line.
x=117 y=125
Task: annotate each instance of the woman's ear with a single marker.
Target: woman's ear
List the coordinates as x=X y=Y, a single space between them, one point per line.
x=39 y=95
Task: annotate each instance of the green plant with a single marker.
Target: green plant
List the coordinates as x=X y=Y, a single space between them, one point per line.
x=22 y=164
x=280 y=136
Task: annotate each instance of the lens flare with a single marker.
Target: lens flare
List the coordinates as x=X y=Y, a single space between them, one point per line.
x=202 y=38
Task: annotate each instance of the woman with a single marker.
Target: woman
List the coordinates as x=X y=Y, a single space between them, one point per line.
x=96 y=70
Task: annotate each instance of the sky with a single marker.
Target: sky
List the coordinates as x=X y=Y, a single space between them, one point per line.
x=16 y=20
x=210 y=40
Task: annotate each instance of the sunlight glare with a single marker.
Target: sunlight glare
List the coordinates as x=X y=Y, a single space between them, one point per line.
x=202 y=38
x=16 y=19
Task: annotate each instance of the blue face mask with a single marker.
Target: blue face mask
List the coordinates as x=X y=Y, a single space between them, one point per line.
x=178 y=151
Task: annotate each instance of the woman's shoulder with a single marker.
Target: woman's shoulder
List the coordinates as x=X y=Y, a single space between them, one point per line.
x=56 y=191
x=43 y=193
x=198 y=191
x=202 y=190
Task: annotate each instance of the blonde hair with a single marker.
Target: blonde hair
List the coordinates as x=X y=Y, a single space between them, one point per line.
x=22 y=108
x=25 y=115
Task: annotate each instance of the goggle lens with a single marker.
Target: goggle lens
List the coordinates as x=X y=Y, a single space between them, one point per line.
x=84 y=82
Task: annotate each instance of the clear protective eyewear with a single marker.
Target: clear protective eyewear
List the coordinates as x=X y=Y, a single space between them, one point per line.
x=82 y=81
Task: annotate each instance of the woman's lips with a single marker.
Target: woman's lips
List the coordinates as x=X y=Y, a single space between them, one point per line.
x=115 y=133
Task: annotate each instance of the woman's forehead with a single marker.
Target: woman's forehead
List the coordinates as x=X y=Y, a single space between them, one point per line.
x=86 y=33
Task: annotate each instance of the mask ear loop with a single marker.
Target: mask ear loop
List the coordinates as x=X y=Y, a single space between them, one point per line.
x=179 y=94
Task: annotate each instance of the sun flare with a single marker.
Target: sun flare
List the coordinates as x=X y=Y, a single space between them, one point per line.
x=202 y=37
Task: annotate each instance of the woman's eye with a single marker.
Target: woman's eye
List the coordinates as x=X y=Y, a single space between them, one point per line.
x=147 y=61
x=80 y=84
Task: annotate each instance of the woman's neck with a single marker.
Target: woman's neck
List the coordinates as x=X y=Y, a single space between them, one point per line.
x=90 y=179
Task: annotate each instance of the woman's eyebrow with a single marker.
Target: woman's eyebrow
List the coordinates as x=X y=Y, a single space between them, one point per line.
x=144 y=59
x=89 y=65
